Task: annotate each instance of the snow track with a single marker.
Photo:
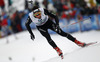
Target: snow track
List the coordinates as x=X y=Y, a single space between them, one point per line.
x=25 y=50
x=88 y=54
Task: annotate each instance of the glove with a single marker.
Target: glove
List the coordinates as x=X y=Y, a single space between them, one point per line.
x=32 y=37
x=57 y=28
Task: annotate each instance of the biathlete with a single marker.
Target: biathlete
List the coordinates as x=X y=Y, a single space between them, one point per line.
x=41 y=17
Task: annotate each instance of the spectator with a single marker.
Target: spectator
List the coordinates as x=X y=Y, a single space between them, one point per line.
x=45 y=3
x=26 y=4
x=37 y=3
x=9 y=2
x=92 y=3
x=99 y=10
x=13 y=24
x=51 y=7
x=18 y=21
x=82 y=3
x=86 y=10
x=94 y=10
x=10 y=7
x=2 y=5
x=98 y=1
x=73 y=3
x=0 y=28
x=4 y=25
x=59 y=6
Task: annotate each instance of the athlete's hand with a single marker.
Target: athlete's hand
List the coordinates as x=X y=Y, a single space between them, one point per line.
x=57 y=28
x=32 y=37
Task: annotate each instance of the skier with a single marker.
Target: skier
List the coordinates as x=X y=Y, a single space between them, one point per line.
x=41 y=17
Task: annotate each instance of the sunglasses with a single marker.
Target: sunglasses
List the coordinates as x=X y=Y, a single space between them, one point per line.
x=37 y=14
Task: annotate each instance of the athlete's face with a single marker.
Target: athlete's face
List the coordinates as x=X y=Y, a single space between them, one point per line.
x=37 y=15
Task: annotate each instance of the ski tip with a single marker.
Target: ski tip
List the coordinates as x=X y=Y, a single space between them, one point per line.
x=62 y=57
x=96 y=42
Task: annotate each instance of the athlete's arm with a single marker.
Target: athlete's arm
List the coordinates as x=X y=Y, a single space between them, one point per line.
x=27 y=24
x=52 y=15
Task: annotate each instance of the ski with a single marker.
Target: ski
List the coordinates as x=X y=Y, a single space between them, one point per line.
x=61 y=55
x=89 y=44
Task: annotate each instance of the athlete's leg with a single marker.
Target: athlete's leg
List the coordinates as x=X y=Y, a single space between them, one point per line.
x=50 y=41
x=62 y=33
x=45 y=33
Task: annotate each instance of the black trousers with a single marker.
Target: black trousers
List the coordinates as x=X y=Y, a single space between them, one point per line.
x=51 y=25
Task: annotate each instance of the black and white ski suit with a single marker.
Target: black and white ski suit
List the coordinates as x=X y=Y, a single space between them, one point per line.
x=46 y=23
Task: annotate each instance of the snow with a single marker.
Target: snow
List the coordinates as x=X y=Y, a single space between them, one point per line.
x=24 y=49
x=88 y=54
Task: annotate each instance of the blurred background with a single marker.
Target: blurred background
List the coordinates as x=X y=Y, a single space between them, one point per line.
x=14 y=13
x=74 y=18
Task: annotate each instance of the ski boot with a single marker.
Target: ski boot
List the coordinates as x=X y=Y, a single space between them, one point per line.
x=59 y=52
x=80 y=43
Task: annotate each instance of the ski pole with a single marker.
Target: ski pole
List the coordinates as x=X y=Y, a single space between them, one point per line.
x=77 y=22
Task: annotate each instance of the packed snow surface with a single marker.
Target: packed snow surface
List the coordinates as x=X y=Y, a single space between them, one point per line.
x=24 y=49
